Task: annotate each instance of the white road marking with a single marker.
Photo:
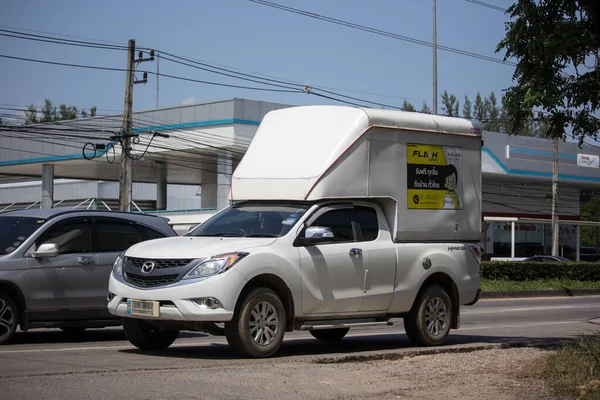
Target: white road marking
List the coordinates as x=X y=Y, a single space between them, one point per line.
x=519 y=309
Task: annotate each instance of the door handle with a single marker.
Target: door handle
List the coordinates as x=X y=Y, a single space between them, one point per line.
x=355 y=252
x=85 y=260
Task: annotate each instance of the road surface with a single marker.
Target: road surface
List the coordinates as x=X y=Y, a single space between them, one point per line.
x=46 y=364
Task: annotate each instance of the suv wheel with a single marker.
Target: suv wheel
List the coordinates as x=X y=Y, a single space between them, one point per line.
x=428 y=323
x=147 y=337
x=8 y=318
x=258 y=326
x=330 y=335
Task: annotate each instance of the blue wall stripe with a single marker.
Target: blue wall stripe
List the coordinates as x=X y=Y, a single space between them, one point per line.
x=541 y=153
x=197 y=124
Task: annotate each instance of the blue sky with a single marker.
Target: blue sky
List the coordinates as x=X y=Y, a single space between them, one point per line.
x=251 y=37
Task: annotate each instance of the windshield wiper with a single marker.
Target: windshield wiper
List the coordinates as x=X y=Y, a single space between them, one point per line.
x=266 y=235
x=222 y=234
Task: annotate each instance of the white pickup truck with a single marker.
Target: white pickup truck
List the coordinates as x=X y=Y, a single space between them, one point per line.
x=341 y=217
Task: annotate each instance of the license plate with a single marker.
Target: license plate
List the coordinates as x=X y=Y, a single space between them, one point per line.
x=148 y=308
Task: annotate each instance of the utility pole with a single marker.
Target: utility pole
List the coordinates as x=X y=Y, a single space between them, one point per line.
x=126 y=170
x=157 y=76
x=555 y=231
x=435 y=96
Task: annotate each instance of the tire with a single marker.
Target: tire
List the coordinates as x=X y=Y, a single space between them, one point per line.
x=330 y=335
x=73 y=330
x=146 y=337
x=424 y=312
x=9 y=318
x=262 y=309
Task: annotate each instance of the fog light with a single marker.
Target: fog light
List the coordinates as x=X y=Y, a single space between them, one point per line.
x=208 y=302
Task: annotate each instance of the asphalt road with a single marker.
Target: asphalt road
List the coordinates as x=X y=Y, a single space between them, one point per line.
x=48 y=364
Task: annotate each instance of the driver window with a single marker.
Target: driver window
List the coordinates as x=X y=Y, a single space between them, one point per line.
x=71 y=236
x=339 y=222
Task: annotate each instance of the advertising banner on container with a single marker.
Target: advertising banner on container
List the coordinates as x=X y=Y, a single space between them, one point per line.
x=434 y=177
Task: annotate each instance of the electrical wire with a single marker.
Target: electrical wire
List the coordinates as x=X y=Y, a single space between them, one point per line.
x=487 y=5
x=379 y=32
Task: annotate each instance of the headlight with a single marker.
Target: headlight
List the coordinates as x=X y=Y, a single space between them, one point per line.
x=215 y=265
x=118 y=265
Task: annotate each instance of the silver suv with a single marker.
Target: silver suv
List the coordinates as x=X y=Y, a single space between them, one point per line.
x=55 y=265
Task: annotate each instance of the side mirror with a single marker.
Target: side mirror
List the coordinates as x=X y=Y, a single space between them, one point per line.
x=46 y=250
x=315 y=235
x=318 y=232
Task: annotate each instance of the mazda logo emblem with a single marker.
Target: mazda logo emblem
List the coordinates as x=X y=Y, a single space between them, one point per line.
x=148 y=267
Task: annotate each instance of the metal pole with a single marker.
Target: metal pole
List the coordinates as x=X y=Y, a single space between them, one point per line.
x=157 y=75
x=555 y=226
x=512 y=240
x=435 y=96
x=125 y=172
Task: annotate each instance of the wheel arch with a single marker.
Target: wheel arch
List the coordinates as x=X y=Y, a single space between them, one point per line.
x=445 y=281
x=276 y=284
x=17 y=295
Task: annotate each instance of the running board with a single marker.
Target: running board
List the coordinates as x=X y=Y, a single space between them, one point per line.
x=334 y=325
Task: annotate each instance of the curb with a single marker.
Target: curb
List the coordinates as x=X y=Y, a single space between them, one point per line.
x=541 y=293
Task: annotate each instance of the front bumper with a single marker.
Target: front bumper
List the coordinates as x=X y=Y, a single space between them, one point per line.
x=176 y=299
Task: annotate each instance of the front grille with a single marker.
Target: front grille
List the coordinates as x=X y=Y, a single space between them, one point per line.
x=150 y=281
x=138 y=262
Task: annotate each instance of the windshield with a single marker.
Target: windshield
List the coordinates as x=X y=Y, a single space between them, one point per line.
x=15 y=230
x=253 y=220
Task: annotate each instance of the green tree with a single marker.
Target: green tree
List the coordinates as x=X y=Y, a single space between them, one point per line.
x=1 y=122
x=425 y=109
x=450 y=104
x=48 y=112
x=479 y=108
x=31 y=115
x=492 y=113
x=67 y=112
x=407 y=106
x=467 y=108
x=93 y=111
x=553 y=42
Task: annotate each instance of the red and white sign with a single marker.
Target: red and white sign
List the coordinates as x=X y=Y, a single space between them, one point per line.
x=587 y=160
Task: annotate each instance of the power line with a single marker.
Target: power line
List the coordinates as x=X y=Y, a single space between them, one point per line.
x=379 y=31
x=483 y=4
x=38 y=38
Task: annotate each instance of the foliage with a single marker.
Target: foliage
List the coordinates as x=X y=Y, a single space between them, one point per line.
x=49 y=113
x=590 y=211
x=500 y=285
x=450 y=104
x=425 y=109
x=556 y=44
x=407 y=106
x=467 y=106
x=530 y=271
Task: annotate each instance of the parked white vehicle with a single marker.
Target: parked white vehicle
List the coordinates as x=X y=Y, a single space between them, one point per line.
x=342 y=217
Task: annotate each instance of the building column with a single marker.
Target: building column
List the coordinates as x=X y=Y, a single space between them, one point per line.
x=161 y=187
x=512 y=240
x=47 y=186
x=224 y=172
x=208 y=185
x=578 y=245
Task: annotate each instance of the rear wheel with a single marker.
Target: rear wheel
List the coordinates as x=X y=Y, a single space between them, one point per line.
x=428 y=323
x=330 y=335
x=258 y=326
x=147 y=337
x=8 y=318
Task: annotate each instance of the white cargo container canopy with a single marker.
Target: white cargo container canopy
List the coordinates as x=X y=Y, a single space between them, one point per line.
x=328 y=152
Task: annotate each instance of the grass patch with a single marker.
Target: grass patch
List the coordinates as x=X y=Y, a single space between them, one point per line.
x=488 y=285
x=574 y=370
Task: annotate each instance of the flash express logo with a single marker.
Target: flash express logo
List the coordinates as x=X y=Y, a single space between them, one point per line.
x=416 y=199
x=425 y=154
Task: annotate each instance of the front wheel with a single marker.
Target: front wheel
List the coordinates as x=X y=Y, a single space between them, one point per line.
x=428 y=323
x=330 y=335
x=258 y=326
x=147 y=337
x=8 y=318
